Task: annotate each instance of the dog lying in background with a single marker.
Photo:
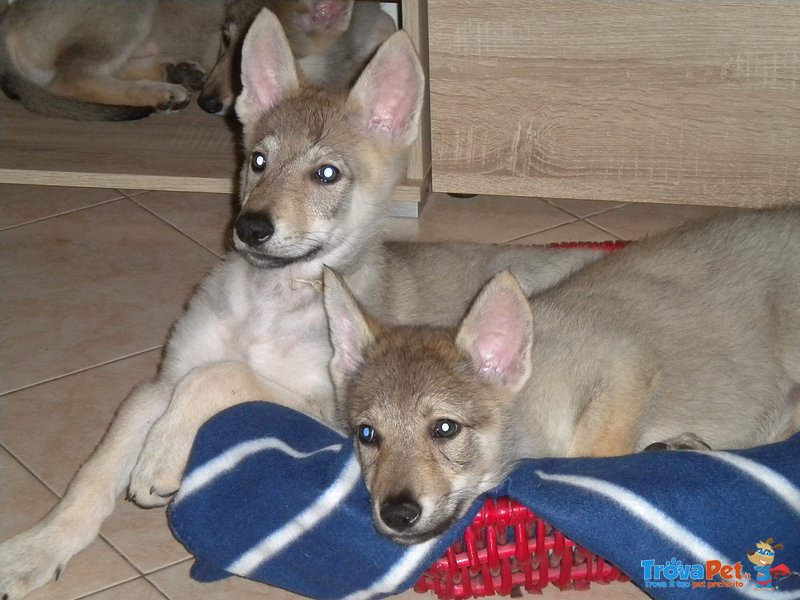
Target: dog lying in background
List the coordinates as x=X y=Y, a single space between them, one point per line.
x=690 y=340
x=321 y=168
x=332 y=40
x=107 y=59
x=124 y=59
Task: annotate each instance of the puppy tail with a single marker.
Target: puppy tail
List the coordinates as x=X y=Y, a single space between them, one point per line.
x=38 y=100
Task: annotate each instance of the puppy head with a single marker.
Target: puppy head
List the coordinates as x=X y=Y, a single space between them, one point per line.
x=320 y=164
x=429 y=408
x=311 y=27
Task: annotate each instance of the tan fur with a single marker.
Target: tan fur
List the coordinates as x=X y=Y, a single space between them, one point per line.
x=256 y=326
x=327 y=57
x=689 y=340
x=116 y=59
x=66 y=58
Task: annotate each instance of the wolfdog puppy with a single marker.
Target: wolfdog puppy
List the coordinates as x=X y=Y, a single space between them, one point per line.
x=107 y=60
x=687 y=340
x=316 y=185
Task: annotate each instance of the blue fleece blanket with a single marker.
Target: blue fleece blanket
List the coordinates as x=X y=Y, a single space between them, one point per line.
x=276 y=497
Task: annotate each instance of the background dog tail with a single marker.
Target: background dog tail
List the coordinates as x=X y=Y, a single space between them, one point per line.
x=40 y=101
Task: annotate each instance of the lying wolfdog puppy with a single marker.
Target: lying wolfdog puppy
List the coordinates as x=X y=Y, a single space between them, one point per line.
x=123 y=59
x=688 y=340
x=107 y=60
x=320 y=171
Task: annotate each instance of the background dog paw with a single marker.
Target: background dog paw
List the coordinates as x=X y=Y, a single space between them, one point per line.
x=173 y=97
x=188 y=75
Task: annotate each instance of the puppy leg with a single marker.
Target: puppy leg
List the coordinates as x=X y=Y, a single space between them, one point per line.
x=103 y=89
x=188 y=74
x=607 y=425
x=201 y=394
x=38 y=555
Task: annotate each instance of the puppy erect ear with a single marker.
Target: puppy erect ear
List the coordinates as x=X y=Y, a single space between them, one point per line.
x=268 y=69
x=497 y=333
x=330 y=17
x=349 y=330
x=389 y=93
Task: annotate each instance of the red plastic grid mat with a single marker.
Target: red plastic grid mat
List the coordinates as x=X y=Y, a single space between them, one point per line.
x=508 y=549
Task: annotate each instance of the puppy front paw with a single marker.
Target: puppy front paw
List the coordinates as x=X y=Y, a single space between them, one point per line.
x=28 y=562
x=158 y=472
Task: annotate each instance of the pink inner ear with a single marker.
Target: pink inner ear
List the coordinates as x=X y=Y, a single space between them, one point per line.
x=265 y=87
x=392 y=98
x=499 y=352
x=267 y=68
x=347 y=335
x=350 y=347
x=500 y=337
x=329 y=16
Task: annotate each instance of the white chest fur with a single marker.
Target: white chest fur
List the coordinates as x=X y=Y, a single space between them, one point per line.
x=274 y=323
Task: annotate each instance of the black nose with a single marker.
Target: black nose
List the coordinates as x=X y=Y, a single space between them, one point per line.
x=400 y=512
x=254 y=229
x=210 y=104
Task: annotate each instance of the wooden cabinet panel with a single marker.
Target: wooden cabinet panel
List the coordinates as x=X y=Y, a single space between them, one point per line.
x=683 y=101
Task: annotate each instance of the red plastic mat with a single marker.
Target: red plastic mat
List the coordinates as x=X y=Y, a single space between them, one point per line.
x=507 y=550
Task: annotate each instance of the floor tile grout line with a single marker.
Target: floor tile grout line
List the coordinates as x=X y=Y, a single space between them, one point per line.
x=550 y=228
x=132 y=196
x=608 y=231
x=141 y=571
x=66 y=212
x=118 y=584
x=175 y=227
x=576 y=220
x=151 y=573
x=168 y=566
x=551 y=201
x=76 y=371
x=32 y=473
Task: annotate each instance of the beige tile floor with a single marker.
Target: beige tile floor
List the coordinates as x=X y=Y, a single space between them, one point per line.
x=91 y=280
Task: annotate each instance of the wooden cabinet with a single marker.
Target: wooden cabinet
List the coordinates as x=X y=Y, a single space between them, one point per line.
x=693 y=102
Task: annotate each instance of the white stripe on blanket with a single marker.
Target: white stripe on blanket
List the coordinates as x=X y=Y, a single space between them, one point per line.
x=283 y=537
x=397 y=574
x=206 y=473
x=655 y=518
x=776 y=482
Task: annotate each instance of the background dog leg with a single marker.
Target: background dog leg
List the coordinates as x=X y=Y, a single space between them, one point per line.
x=90 y=87
x=35 y=557
x=201 y=394
x=159 y=68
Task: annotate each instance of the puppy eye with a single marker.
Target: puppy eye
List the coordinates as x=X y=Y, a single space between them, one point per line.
x=327 y=174
x=445 y=429
x=366 y=434
x=258 y=162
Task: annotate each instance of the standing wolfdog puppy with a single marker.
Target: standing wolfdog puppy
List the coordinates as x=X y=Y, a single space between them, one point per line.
x=317 y=182
x=688 y=340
